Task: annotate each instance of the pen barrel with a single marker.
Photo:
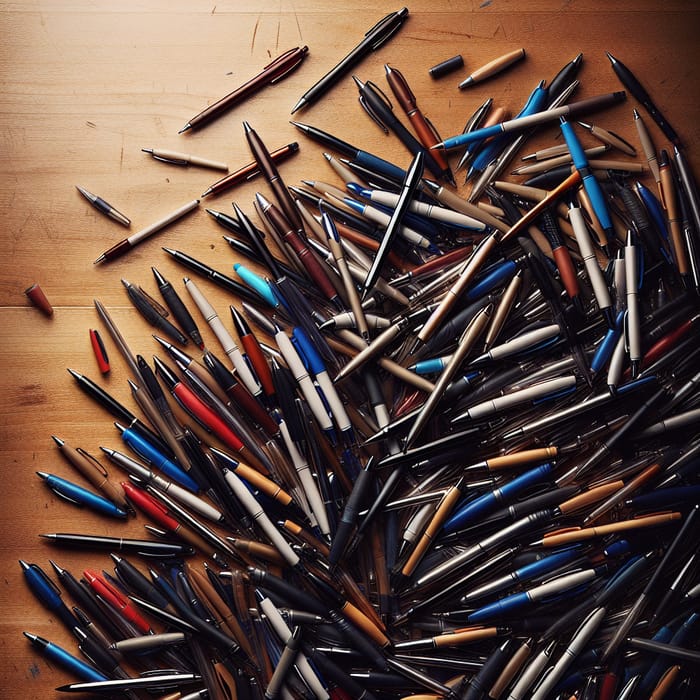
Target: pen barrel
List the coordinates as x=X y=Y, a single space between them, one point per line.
x=162 y=223
x=590 y=261
x=257 y=358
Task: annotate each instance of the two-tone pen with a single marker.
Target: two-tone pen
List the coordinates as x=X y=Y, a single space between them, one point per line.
x=104 y=207
x=148 y=309
x=178 y=309
x=184 y=159
x=80 y=496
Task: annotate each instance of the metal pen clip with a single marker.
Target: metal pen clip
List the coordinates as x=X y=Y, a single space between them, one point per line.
x=383 y=98
x=65 y=497
x=280 y=59
x=163 y=159
x=92 y=460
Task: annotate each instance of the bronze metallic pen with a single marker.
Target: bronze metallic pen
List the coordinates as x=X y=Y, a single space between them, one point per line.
x=272 y=73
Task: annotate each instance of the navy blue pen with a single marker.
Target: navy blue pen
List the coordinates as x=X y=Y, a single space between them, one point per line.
x=480 y=506
x=664 y=498
x=48 y=593
x=156 y=458
x=81 y=496
x=496 y=276
x=524 y=573
x=61 y=657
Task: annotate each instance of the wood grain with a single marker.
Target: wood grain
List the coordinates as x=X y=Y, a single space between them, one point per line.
x=85 y=85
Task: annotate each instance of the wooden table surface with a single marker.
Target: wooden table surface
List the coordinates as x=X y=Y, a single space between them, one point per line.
x=87 y=85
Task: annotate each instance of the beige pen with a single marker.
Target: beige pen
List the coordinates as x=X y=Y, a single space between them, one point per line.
x=493 y=67
x=610 y=138
x=545 y=164
x=647 y=146
x=135 y=238
x=177 y=158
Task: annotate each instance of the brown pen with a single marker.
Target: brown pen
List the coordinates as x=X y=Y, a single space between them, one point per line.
x=611 y=138
x=669 y=199
x=272 y=73
x=425 y=131
x=249 y=171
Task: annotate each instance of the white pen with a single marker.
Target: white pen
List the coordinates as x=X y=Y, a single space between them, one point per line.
x=224 y=337
x=632 y=320
x=529 y=339
x=255 y=510
x=531 y=393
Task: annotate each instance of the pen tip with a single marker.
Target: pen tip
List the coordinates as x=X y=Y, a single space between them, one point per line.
x=57 y=440
x=297 y=107
x=147 y=150
x=41 y=475
x=610 y=57
x=246 y=127
x=185 y=128
x=99 y=260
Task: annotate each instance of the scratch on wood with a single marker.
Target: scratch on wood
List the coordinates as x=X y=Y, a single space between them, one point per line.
x=34 y=670
x=92 y=125
x=31 y=394
x=486 y=3
x=255 y=31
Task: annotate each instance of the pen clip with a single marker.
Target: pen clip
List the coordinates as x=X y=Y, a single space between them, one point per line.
x=65 y=497
x=280 y=60
x=92 y=460
x=378 y=28
x=157 y=306
x=370 y=111
x=170 y=161
x=432 y=128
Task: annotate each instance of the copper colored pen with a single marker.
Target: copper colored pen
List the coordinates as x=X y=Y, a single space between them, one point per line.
x=249 y=171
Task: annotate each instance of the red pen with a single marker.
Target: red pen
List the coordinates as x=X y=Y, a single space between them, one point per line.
x=100 y=351
x=254 y=352
x=116 y=600
x=192 y=403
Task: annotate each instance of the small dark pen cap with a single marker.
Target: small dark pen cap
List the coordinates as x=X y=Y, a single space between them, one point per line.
x=448 y=66
x=36 y=295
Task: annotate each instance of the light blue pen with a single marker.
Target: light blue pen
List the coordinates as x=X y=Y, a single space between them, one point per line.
x=153 y=457
x=80 y=496
x=480 y=506
x=590 y=183
x=257 y=283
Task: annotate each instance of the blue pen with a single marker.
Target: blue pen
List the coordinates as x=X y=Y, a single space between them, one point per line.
x=524 y=573
x=314 y=364
x=48 y=593
x=81 y=496
x=432 y=365
x=607 y=345
x=153 y=457
x=536 y=102
x=657 y=214
x=61 y=657
x=590 y=183
x=511 y=604
x=480 y=506
x=495 y=277
x=664 y=498
x=257 y=283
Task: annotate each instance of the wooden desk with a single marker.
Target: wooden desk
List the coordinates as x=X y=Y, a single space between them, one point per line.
x=86 y=85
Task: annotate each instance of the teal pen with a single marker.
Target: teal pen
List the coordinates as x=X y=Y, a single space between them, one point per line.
x=257 y=283
x=80 y=496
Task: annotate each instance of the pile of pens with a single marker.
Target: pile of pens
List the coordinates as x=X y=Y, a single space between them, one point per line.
x=440 y=448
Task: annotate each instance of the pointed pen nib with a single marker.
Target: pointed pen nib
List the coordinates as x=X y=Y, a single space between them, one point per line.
x=298 y=106
x=185 y=128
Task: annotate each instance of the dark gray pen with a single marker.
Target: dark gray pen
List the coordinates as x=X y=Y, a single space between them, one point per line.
x=408 y=188
x=104 y=207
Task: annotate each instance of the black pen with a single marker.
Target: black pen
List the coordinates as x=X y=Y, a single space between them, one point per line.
x=375 y=103
x=150 y=548
x=628 y=79
x=374 y=39
x=178 y=309
x=147 y=308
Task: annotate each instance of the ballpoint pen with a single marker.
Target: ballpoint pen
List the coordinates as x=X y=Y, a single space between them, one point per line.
x=636 y=89
x=151 y=548
x=104 y=207
x=155 y=316
x=81 y=496
x=227 y=342
x=374 y=38
x=153 y=683
x=669 y=199
x=408 y=188
x=521 y=123
x=48 y=593
x=493 y=67
x=178 y=309
x=177 y=158
x=633 y=281
x=376 y=104
x=543 y=165
x=61 y=657
x=135 y=238
x=272 y=73
x=466 y=342
x=424 y=129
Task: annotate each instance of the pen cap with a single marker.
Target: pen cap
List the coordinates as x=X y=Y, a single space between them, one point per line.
x=36 y=295
x=444 y=67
